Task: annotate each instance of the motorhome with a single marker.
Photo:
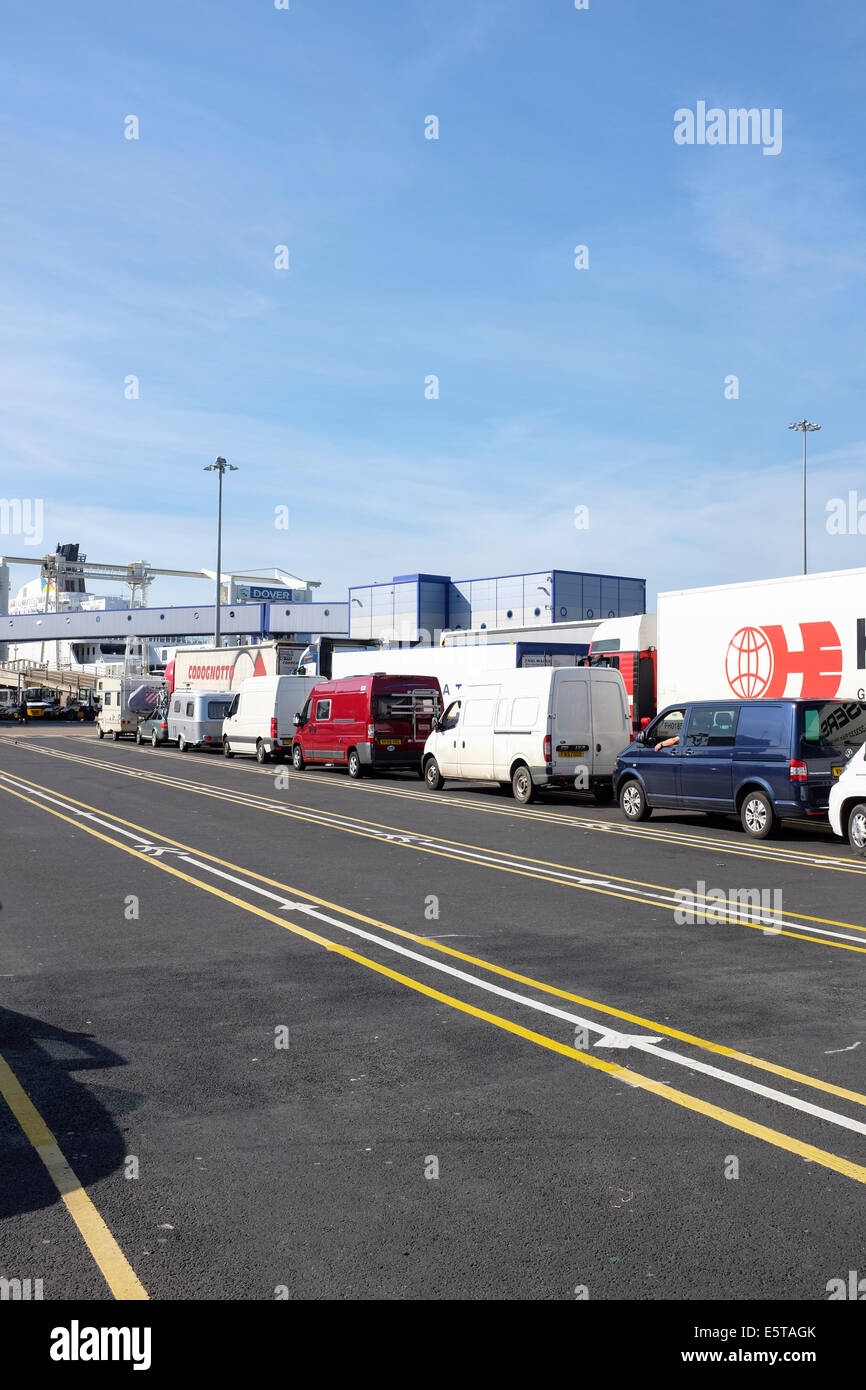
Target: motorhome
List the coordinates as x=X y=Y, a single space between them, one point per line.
x=123 y=699
x=531 y=730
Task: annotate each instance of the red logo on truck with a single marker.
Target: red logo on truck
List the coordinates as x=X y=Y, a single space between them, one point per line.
x=759 y=661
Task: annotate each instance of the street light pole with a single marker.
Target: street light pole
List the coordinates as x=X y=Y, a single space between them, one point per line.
x=219 y=467
x=806 y=427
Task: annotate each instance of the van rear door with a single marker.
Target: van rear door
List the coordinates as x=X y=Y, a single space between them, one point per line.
x=571 y=737
x=611 y=722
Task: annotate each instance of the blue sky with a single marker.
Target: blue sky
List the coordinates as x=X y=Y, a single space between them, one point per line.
x=559 y=387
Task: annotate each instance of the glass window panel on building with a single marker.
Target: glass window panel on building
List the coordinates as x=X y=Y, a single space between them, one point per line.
x=591 y=596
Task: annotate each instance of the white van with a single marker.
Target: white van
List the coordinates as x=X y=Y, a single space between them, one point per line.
x=260 y=719
x=195 y=718
x=533 y=728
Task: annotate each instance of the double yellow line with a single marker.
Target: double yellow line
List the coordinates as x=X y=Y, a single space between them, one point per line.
x=731 y=1119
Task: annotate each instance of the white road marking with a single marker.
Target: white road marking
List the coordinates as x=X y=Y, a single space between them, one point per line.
x=646 y=1044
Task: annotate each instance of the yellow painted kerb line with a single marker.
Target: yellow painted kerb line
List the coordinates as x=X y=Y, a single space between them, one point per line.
x=113 y=1264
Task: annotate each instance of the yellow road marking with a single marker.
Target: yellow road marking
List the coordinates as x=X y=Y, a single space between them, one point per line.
x=730 y=1118
x=113 y=1264
x=261 y=803
x=684 y=839
x=653 y=1026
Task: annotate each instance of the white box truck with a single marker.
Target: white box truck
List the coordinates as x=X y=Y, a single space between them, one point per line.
x=454 y=666
x=799 y=636
x=533 y=729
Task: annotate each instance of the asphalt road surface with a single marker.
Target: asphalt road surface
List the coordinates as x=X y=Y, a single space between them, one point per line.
x=275 y=1034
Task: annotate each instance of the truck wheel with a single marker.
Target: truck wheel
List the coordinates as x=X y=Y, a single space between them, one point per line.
x=353 y=762
x=522 y=785
x=262 y=754
x=115 y=736
x=227 y=749
x=757 y=815
x=633 y=802
x=153 y=739
x=297 y=757
x=857 y=826
x=100 y=731
x=432 y=776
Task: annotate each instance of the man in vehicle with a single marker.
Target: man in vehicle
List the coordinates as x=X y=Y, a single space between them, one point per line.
x=22 y=709
x=674 y=719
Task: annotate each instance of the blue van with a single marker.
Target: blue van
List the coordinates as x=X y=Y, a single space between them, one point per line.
x=763 y=760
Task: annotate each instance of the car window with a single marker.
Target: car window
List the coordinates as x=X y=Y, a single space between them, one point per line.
x=712 y=726
x=451 y=716
x=669 y=726
x=832 y=727
x=190 y=707
x=764 y=728
x=323 y=709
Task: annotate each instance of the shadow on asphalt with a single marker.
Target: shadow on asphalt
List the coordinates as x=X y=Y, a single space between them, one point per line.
x=44 y=1059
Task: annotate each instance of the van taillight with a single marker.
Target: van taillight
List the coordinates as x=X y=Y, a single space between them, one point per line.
x=371 y=729
x=274 y=733
x=799 y=771
x=547 y=748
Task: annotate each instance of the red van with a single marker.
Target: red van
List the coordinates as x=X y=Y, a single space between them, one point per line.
x=367 y=723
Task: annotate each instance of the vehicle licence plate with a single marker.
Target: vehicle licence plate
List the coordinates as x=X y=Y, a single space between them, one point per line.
x=837 y=770
x=390 y=742
x=573 y=750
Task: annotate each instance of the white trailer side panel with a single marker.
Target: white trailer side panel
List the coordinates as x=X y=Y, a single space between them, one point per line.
x=804 y=635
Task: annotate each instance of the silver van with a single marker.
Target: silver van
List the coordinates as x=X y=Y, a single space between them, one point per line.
x=195 y=718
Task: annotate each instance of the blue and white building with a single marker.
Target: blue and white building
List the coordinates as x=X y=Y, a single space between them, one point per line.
x=419 y=607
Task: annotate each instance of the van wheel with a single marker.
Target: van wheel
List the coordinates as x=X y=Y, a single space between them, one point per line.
x=432 y=776
x=633 y=802
x=115 y=736
x=522 y=785
x=227 y=749
x=857 y=826
x=262 y=754
x=297 y=757
x=100 y=731
x=353 y=762
x=154 y=741
x=757 y=815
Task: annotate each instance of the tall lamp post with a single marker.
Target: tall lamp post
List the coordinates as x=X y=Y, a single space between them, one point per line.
x=219 y=467
x=806 y=427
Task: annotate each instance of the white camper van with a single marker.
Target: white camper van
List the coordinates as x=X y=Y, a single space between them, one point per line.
x=195 y=718
x=532 y=729
x=260 y=719
x=124 y=699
